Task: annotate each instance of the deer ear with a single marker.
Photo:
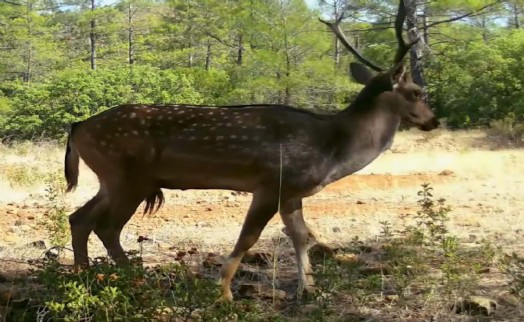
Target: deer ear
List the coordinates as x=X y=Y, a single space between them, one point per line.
x=360 y=73
x=399 y=75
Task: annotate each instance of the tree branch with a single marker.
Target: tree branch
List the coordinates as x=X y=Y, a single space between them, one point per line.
x=471 y=13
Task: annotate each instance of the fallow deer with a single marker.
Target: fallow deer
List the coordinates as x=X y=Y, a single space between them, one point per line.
x=280 y=154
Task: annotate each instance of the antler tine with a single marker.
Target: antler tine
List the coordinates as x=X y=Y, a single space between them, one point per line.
x=403 y=48
x=335 y=27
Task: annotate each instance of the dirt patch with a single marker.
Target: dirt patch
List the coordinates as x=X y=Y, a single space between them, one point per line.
x=388 y=181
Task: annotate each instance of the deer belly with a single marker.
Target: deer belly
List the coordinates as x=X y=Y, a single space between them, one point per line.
x=199 y=174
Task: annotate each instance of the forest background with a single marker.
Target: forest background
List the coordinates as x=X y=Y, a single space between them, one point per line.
x=62 y=61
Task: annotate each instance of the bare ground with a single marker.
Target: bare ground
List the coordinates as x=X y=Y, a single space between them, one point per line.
x=481 y=179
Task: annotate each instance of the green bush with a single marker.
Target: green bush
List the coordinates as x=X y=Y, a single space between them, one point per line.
x=47 y=109
x=475 y=83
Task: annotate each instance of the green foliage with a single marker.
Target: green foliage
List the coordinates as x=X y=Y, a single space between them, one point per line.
x=477 y=82
x=432 y=216
x=48 y=108
x=56 y=219
x=513 y=266
x=509 y=128
x=105 y=292
x=398 y=269
x=241 y=52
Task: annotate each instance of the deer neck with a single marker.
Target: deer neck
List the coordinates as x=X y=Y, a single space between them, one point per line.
x=366 y=135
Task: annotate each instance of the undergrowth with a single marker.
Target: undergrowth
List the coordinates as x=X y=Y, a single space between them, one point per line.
x=419 y=268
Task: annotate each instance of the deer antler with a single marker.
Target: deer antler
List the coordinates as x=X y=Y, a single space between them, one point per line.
x=335 y=26
x=402 y=48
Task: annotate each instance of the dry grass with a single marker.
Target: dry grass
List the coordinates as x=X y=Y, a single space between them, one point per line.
x=484 y=187
x=481 y=180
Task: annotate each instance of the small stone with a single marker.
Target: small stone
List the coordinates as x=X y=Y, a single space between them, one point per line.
x=359 y=202
x=52 y=253
x=508 y=298
x=336 y=229
x=40 y=244
x=346 y=258
x=474 y=305
x=446 y=173
x=321 y=250
x=390 y=295
x=213 y=260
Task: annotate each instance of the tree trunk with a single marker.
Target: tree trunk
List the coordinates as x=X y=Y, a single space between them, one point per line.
x=287 y=94
x=130 y=43
x=516 y=18
x=416 y=53
x=92 y=38
x=208 y=55
x=425 y=26
x=240 y=50
x=337 y=43
x=279 y=101
x=29 y=45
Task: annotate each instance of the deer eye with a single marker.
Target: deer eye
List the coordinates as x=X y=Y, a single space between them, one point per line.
x=417 y=94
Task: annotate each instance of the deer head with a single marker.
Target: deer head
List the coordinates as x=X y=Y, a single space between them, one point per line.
x=408 y=101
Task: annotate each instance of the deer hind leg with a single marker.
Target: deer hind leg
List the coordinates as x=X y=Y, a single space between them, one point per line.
x=291 y=213
x=82 y=223
x=263 y=207
x=123 y=204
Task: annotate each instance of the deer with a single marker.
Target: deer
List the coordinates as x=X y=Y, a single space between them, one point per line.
x=280 y=154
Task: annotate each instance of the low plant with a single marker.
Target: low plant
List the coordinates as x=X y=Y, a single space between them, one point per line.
x=55 y=220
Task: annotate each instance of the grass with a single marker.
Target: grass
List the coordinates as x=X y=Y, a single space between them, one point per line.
x=399 y=255
x=422 y=269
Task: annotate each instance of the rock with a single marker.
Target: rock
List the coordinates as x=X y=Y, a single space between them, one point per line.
x=508 y=298
x=257 y=258
x=390 y=296
x=39 y=244
x=336 y=229
x=474 y=305
x=213 y=260
x=52 y=253
x=261 y=291
x=346 y=258
x=446 y=173
x=320 y=250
